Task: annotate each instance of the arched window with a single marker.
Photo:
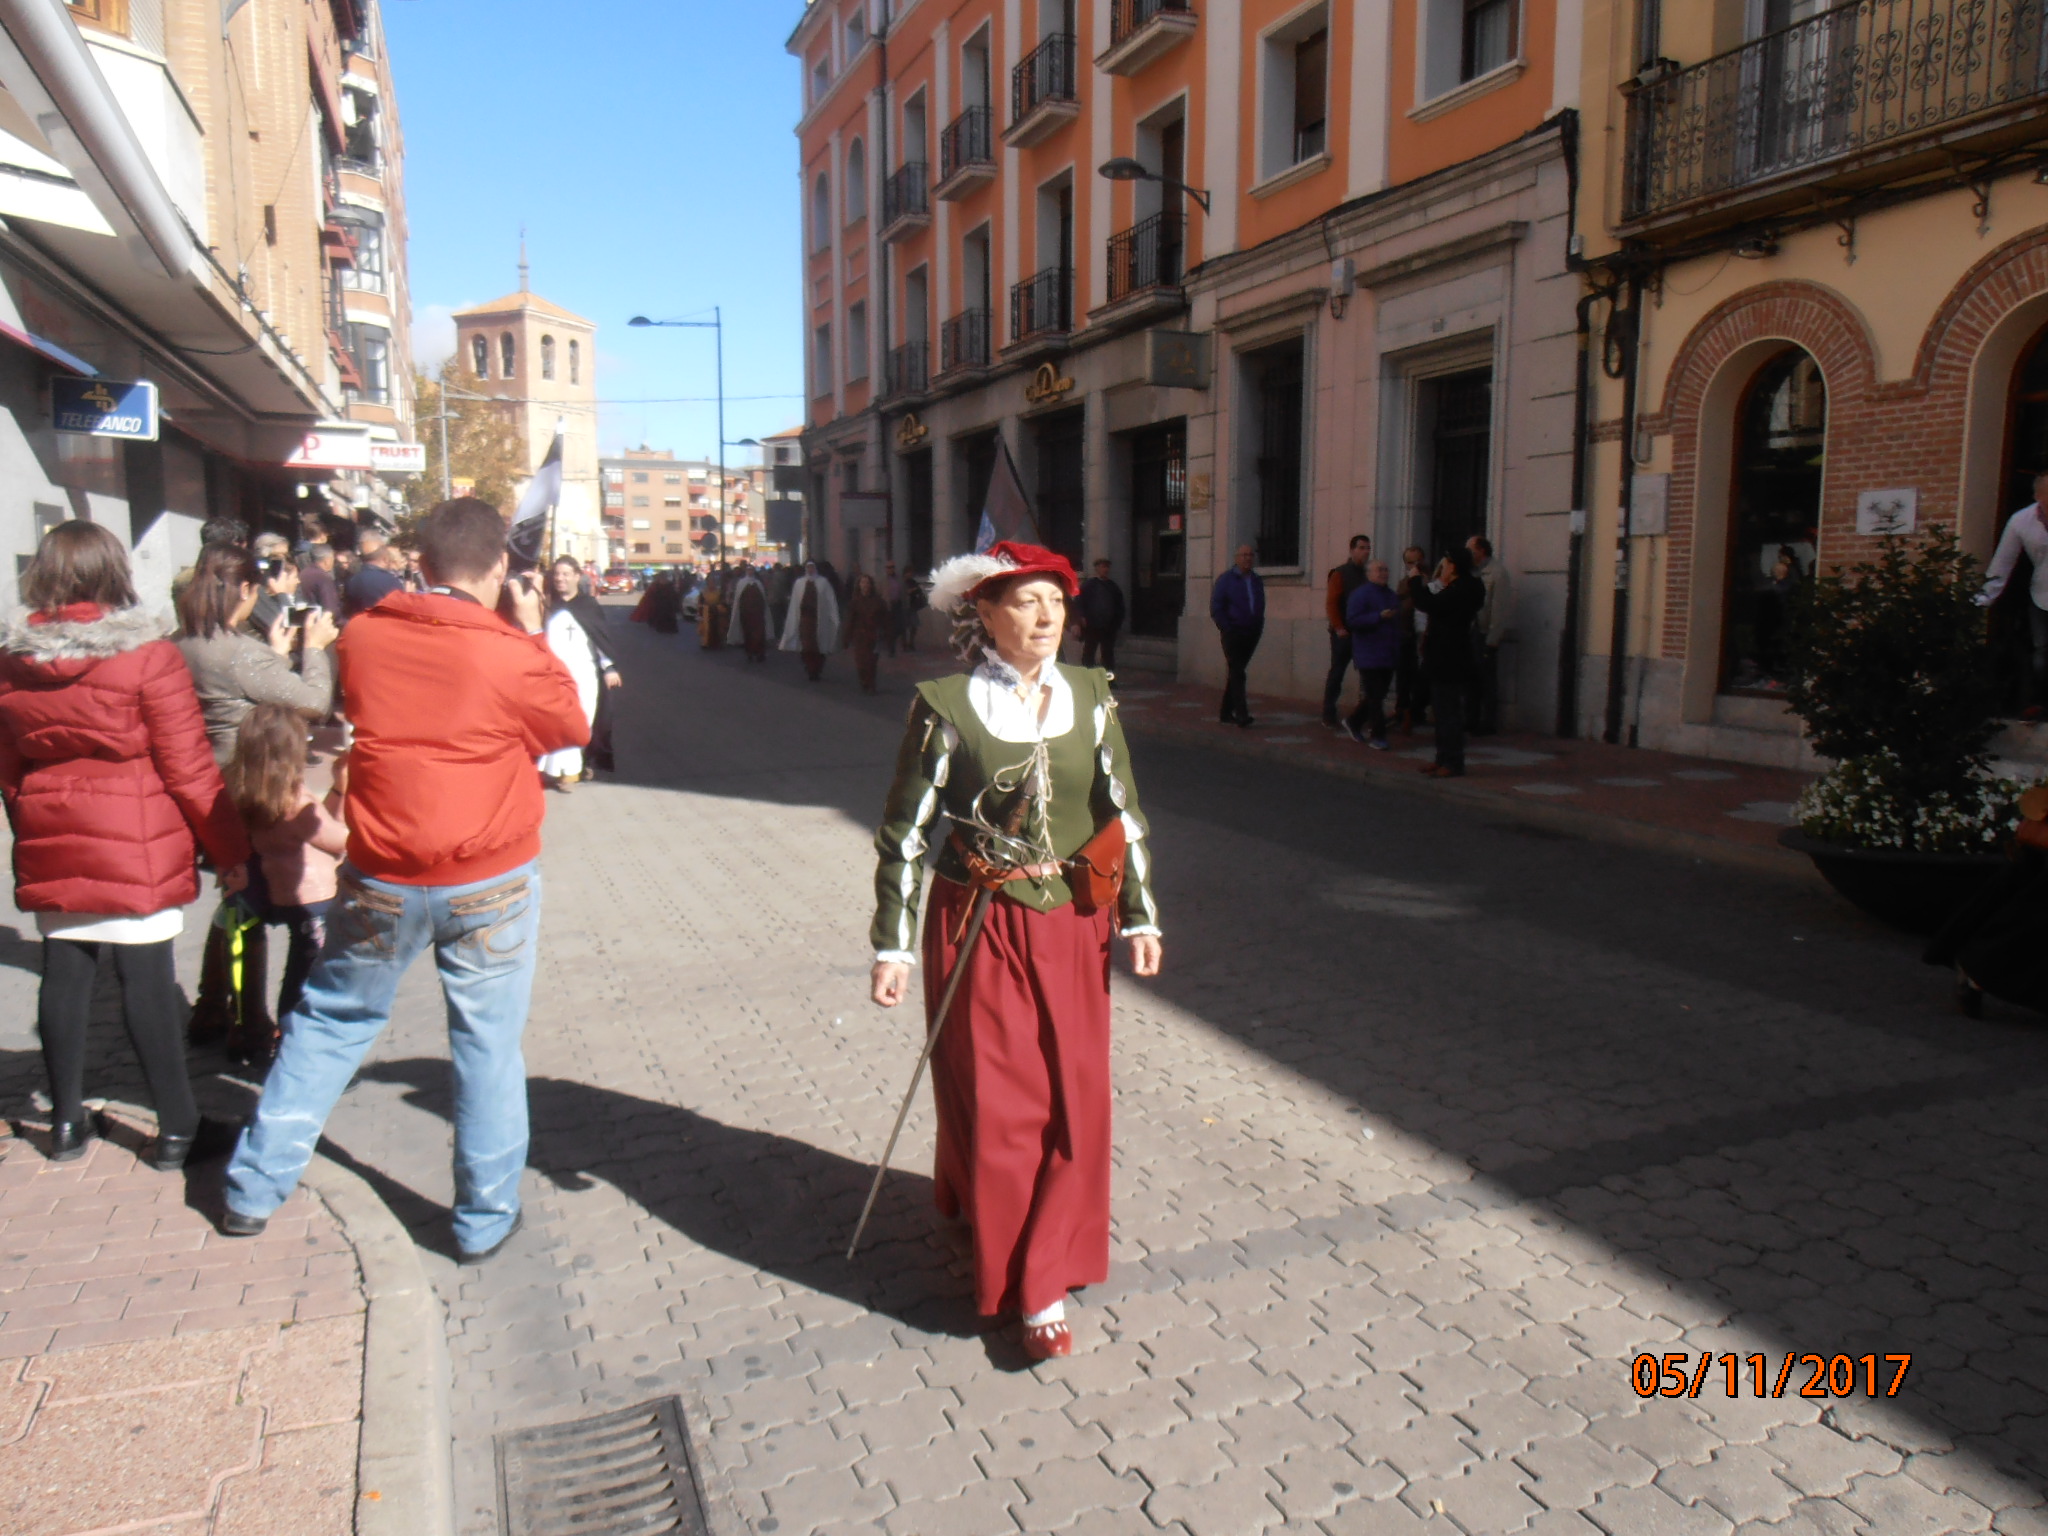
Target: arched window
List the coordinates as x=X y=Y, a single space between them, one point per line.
x=821 y=212
x=1774 y=519
x=480 y=356
x=856 y=182
x=575 y=361
x=547 y=357
x=508 y=355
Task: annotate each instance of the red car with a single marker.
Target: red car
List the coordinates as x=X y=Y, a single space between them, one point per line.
x=617 y=579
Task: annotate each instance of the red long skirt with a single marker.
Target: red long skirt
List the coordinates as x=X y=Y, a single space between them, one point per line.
x=1021 y=1081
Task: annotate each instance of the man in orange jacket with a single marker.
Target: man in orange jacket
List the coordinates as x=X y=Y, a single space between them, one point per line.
x=450 y=704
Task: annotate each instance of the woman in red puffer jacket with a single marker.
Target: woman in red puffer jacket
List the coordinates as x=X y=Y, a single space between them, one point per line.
x=107 y=776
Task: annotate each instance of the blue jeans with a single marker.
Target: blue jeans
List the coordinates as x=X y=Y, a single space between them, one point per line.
x=485 y=939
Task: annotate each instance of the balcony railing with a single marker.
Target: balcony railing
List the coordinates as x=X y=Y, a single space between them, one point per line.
x=963 y=341
x=1044 y=74
x=907 y=370
x=1147 y=255
x=968 y=140
x=1859 y=77
x=907 y=193
x=1130 y=16
x=1042 y=305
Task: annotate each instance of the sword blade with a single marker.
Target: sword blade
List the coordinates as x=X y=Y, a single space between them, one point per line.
x=968 y=942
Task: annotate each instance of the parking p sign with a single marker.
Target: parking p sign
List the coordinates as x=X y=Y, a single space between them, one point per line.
x=105 y=408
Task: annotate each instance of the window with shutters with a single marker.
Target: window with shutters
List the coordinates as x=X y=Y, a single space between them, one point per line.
x=107 y=15
x=1294 y=93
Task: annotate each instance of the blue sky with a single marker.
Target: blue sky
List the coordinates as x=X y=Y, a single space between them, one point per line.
x=649 y=151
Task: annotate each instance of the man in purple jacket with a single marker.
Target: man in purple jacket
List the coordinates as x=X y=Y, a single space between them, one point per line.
x=1373 y=615
x=1237 y=604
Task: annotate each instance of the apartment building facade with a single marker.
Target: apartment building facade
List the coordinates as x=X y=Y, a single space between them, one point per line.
x=1335 y=299
x=186 y=191
x=1817 y=245
x=662 y=511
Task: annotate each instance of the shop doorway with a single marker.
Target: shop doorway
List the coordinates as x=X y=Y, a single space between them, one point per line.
x=1774 y=521
x=917 y=508
x=1159 y=503
x=1062 y=496
x=978 y=466
x=2026 y=455
x=1457 y=422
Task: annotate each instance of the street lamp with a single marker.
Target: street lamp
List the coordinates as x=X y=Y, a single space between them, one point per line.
x=715 y=323
x=1124 y=168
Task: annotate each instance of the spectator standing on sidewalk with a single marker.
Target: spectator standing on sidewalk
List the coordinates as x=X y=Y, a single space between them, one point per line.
x=1101 y=606
x=1337 y=590
x=1237 y=605
x=108 y=779
x=1411 y=683
x=1373 y=615
x=1488 y=631
x=378 y=574
x=1451 y=602
x=2026 y=534
x=316 y=578
x=298 y=840
x=279 y=574
x=451 y=704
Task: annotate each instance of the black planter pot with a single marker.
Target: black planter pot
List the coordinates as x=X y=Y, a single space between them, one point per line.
x=1915 y=891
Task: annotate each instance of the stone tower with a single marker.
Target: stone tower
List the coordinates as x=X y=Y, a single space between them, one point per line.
x=525 y=349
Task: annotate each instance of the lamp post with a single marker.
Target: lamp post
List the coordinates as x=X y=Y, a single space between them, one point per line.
x=448 y=391
x=1124 y=168
x=715 y=323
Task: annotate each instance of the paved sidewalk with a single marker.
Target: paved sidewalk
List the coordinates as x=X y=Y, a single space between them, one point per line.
x=156 y=1376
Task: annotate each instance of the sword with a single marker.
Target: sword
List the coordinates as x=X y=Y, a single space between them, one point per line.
x=977 y=915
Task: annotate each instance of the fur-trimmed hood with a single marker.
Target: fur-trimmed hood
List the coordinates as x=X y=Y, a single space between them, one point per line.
x=81 y=634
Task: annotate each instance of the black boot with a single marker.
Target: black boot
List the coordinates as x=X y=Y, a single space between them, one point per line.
x=253 y=1040
x=69 y=1139
x=213 y=1014
x=213 y=1138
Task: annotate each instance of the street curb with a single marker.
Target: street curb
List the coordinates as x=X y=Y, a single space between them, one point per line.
x=405 y=1467
x=1543 y=815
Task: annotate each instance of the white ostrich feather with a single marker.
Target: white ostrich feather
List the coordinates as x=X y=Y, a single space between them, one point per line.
x=960 y=575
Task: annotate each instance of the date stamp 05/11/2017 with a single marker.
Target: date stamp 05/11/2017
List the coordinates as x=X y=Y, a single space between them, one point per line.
x=1675 y=1375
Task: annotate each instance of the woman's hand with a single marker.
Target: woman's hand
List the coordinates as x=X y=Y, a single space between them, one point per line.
x=890 y=980
x=1146 y=953
x=612 y=678
x=280 y=634
x=234 y=881
x=321 y=630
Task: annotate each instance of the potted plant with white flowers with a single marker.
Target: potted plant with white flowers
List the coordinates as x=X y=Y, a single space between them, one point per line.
x=1894 y=680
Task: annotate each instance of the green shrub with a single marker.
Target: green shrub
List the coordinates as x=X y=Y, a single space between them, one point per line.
x=1893 y=678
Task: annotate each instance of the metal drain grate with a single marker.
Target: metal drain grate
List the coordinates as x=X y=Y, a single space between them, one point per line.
x=621 y=1474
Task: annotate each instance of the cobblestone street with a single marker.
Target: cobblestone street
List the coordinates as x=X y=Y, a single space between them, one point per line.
x=1432 y=1126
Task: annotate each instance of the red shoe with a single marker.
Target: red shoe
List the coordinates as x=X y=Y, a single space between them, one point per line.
x=1048 y=1341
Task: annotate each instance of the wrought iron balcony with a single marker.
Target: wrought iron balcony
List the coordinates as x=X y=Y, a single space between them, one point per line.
x=907 y=370
x=1841 y=98
x=1143 y=30
x=906 y=200
x=1042 y=91
x=967 y=152
x=963 y=341
x=1042 y=305
x=1147 y=255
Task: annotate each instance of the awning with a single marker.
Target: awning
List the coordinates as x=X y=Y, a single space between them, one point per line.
x=47 y=349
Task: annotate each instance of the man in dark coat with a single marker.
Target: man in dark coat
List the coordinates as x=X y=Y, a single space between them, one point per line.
x=1337 y=590
x=1101 y=606
x=1237 y=606
x=1451 y=602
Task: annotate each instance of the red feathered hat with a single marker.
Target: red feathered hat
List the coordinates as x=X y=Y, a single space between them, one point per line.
x=961 y=579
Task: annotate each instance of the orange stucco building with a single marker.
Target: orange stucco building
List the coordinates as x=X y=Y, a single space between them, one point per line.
x=1339 y=301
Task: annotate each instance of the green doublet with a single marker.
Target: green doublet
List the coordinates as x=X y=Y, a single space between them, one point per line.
x=949 y=757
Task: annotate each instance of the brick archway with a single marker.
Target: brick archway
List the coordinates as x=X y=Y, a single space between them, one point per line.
x=1799 y=314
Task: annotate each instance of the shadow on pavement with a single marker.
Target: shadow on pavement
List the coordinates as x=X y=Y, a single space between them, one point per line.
x=764 y=1200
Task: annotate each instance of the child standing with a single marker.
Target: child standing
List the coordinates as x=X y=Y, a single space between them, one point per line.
x=298 y=839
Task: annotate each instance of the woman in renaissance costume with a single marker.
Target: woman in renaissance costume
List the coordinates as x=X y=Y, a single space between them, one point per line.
x=1018 y=771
